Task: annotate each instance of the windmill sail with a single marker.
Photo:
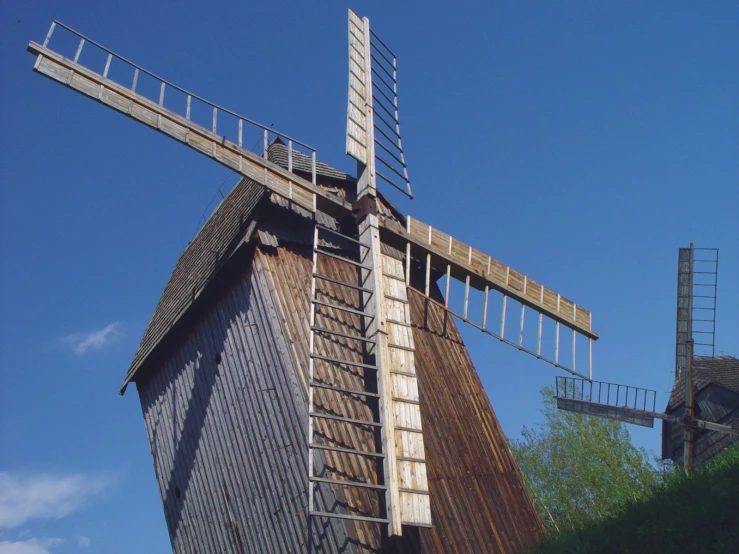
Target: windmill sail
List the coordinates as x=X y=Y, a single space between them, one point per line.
x=697 y=279
x=625 y=403
x=222 y=142
x=372 y=120
x=441 y=253
x=357 y=123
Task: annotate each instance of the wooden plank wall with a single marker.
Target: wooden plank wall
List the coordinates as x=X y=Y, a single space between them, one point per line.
x=225 y=418
x=479 y=501
x=289 y=272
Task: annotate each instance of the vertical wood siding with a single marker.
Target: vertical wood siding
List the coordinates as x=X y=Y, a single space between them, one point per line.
x=225 y=418
x=289 y=272
x=479 y=502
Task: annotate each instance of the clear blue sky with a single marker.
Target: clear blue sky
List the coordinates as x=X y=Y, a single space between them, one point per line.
x=581 y=143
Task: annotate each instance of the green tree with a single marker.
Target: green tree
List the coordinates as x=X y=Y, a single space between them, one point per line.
x=580 y=468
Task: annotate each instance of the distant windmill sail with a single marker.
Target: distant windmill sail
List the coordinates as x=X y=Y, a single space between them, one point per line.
x=372 y=121
x=697 y=280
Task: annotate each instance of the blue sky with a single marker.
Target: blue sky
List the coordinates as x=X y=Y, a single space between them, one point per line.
x=581 y=143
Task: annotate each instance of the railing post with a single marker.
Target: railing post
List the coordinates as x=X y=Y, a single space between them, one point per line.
x=574 y=350
x=241 y=131
x=161 y=94
x=266 y=143
x=484 y=305
x=187 y=110
x=520 y=328
x=590 y=358
x=135 y=79
x=290 y=156
x=502 y=317
x=466 y=294
x=107 y=65
x=79 y=50
x=48 y=35
x=427 y=288
x=313 y=166
x=215 y=118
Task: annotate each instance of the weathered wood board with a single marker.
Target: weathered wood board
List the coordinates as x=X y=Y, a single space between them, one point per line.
x=415 y=506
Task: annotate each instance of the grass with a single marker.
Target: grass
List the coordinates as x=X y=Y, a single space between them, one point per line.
x=696 y=513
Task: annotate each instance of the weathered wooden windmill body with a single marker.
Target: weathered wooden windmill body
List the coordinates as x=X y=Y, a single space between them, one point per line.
x=304 y=321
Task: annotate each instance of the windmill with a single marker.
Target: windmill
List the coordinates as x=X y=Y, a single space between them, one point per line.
x=697 y=281
x=305 y=320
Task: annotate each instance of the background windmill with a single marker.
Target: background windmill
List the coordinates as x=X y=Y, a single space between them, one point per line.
x=703 y=407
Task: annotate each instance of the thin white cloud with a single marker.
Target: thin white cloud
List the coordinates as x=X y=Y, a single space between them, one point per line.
x=31 y=546
x=84 y=542
x=27 y=497
x=95 y=340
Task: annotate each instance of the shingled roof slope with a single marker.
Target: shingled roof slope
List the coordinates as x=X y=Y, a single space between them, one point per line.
x=277 y=152
x=197 y=265
x=721 y=370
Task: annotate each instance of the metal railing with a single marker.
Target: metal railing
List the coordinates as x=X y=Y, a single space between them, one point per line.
x=164 y=86
x=607 y=394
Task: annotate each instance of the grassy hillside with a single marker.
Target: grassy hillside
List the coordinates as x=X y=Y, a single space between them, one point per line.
x=696 y=514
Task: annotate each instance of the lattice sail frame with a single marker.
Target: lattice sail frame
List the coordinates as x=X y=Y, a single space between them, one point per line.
x=697 y=282
x=625 y=403
x=372 y=119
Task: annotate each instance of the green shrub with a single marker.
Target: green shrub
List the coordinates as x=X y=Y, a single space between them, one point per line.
x=696 y=513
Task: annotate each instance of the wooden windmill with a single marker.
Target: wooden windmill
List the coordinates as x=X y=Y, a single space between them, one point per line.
x=305 y=322
x=697 y=372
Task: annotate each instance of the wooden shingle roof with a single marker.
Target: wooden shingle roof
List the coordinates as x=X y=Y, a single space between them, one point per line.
x=721 y=370
x=277 y=152
x=197 y=265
